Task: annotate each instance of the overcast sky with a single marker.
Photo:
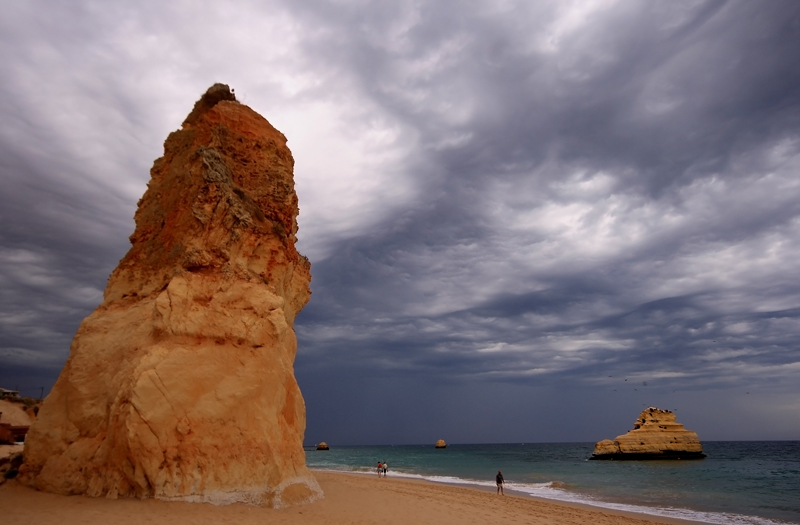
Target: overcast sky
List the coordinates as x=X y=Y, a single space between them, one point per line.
x=527 y=221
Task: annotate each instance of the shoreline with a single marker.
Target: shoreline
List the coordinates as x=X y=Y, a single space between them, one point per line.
x=349 y=497
x=511 y=493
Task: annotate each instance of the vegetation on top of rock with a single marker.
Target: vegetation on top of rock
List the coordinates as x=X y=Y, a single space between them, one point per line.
x=214 y=95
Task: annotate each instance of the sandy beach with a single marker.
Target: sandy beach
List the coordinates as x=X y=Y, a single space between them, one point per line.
x=349 y=498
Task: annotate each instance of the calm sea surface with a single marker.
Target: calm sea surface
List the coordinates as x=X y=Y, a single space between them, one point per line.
x=740 y=482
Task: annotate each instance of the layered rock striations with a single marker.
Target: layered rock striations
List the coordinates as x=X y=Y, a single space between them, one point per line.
x=655 y=435
x=180 y=385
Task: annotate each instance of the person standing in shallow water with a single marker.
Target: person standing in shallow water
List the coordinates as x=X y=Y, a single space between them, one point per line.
x=500 y=481
x=380 y=469
x=385 y=469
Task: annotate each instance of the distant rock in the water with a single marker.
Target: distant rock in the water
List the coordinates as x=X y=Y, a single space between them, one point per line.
x=323 y=446
x=655 y=435
x=180 y=385
x=441 y=444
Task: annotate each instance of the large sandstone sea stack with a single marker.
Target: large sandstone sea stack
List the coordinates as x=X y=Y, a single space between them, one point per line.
x=655 y=435
x=181 y=384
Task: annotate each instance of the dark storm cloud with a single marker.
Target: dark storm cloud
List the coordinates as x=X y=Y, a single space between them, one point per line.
x=65 y=211
x=685 y=119
x=53 y=254
x=659 y=93
x=546 y=199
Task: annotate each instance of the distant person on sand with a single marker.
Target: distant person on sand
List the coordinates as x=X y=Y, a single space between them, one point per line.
x=500 y=481
x=385 y=468
x=380 y=469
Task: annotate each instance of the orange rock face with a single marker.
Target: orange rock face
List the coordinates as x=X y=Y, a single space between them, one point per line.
x=181 y=384
x=655 y=435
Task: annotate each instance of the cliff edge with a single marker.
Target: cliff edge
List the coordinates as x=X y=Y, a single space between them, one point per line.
x=180 y=385
x=655 y=435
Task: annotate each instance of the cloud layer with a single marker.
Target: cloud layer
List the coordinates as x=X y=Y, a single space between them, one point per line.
x=525 y=220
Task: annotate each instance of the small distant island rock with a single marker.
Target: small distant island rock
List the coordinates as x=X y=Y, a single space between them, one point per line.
x=323 y=446
x=441 y=444
x=655 y=435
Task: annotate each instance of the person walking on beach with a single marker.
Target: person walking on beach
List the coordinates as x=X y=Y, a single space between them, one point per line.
x=500 y=481
x=380 y=469
x=385 y=468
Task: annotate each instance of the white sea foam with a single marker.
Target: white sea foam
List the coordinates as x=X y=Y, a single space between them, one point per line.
x=552 y=491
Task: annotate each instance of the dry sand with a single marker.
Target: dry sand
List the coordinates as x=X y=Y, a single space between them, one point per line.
x=349 y=499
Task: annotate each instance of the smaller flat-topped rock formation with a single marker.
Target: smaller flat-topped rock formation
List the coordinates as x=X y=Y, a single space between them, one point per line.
x=655 y=435
x=441 y=444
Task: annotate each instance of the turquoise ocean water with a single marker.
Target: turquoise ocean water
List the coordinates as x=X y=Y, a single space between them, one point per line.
x=743 y=482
